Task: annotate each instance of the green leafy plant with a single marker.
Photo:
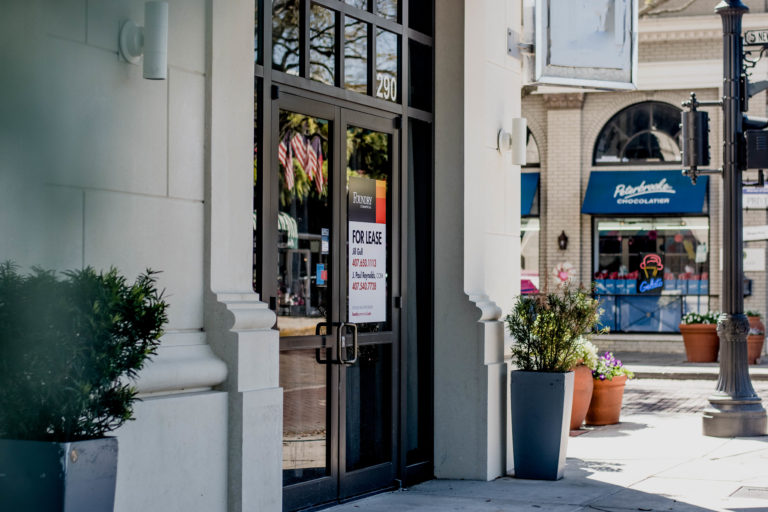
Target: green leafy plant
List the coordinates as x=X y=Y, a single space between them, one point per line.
x=68 y=347
x=754 y=313
x=585 y=353
x=609 y=367
x=710 y=317
x=546 y=328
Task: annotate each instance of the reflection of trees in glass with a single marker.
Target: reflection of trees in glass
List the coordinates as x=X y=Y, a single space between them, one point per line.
x=285 y=36
x=295 y=182
x=386 y=61
x=367 y=153
x=322 y=63
x=388 y=8
x=360 y=4
x=355 y=55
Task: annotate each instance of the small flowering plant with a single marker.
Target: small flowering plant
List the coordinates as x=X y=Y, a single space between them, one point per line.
x=585 y=353
x=609 y=367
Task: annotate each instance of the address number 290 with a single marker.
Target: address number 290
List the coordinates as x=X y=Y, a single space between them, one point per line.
x=387 y=88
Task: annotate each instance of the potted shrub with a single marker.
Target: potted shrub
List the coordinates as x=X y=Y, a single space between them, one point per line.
x=756 y=337
x=610 y=377
x=586 y=361
x=68 y=348
x=545 y=328
x=700 y=336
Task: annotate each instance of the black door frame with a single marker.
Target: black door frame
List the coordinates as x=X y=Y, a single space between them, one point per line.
x=340 y=485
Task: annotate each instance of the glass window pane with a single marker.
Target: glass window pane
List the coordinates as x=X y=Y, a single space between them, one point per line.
x=418 y=292
x=635 y=249
x=388 y=9
x=644 y=132
x=369 y=220
x=303 y=246
x=369 y=408
x=420 y=66
x=529 y=255
x=360 y=4
x=532 y=158
x=285 y=36
x=420 y=16
x=355 y=55
x=322 y=51
x=386 y=84
x=305 y=416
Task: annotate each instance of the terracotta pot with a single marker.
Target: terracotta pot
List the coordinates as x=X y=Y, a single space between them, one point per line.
x=701 y=342
x=754 y=347
x=582 y=395
x=605 y=407
x=755 y=323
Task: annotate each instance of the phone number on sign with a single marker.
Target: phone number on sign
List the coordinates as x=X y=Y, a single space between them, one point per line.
x=365 y=285
x=364 y=262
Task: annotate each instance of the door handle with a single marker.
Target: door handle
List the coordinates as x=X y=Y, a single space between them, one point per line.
x=341 y=349
x=327 y=359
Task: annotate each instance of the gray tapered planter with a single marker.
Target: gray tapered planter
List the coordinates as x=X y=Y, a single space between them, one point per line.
x=45 y=476
x=541 y=414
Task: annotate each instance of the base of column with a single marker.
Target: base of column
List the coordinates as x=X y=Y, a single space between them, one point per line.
x=728 y=417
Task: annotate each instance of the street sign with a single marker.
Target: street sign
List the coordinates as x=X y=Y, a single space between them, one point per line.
x=756 y=37
x=752 y=233
x=755 y=198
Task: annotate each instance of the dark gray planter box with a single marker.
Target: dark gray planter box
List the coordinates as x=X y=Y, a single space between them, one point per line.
x=541 y=414
x=44 y=476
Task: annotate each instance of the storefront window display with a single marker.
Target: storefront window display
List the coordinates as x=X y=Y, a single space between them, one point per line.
x=649 y=271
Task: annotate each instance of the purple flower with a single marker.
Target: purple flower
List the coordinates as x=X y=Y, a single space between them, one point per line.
x=602 y=377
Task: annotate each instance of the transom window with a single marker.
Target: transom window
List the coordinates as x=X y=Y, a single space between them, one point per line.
x=644 y=133
x=351 y=44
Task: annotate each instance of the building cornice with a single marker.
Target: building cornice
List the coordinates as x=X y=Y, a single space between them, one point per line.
x=687 y=28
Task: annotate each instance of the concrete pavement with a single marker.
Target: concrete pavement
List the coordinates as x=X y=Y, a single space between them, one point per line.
x=656 y=459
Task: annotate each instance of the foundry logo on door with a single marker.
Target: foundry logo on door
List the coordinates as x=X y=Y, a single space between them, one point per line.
x=367 y=200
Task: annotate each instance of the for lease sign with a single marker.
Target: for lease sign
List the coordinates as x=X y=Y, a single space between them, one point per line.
x=367 y=255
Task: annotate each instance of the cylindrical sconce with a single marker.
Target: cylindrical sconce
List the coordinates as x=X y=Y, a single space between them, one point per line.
x=562 y=241
x=151 y=40
x=514 y=141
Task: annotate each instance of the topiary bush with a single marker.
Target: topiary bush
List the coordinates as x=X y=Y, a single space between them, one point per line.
x=68 y=347
x=547 y=328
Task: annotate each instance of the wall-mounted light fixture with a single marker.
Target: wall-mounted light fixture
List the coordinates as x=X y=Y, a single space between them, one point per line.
x=151 y=40
x=514 y=142
x=562 y=241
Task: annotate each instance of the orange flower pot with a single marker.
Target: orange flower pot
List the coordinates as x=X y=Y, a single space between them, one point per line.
x=701 y=342
x=754 y=347
x=605 y=407
x=582 y=395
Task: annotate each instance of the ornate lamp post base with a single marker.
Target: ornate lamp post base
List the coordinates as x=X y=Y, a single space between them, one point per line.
x=735 y=409
x=728 y=417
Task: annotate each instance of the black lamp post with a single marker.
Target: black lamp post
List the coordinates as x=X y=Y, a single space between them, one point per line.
x=735 y=409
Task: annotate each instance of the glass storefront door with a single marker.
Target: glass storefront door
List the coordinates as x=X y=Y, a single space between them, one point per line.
x=336 y=276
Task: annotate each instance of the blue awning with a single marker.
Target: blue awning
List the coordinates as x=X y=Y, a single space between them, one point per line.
x=529 y=184
x=643 y=192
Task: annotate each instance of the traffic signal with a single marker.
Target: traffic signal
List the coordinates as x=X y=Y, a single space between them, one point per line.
x=695 y=139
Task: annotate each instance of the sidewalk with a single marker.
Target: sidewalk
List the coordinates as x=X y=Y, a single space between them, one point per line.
x=656 y=459
x=649 y=365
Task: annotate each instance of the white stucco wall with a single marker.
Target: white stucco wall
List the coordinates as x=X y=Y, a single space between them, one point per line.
x=477 y=233
x=101 y=167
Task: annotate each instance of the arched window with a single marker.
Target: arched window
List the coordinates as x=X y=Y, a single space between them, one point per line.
x=532 y=157
x=644 y=133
